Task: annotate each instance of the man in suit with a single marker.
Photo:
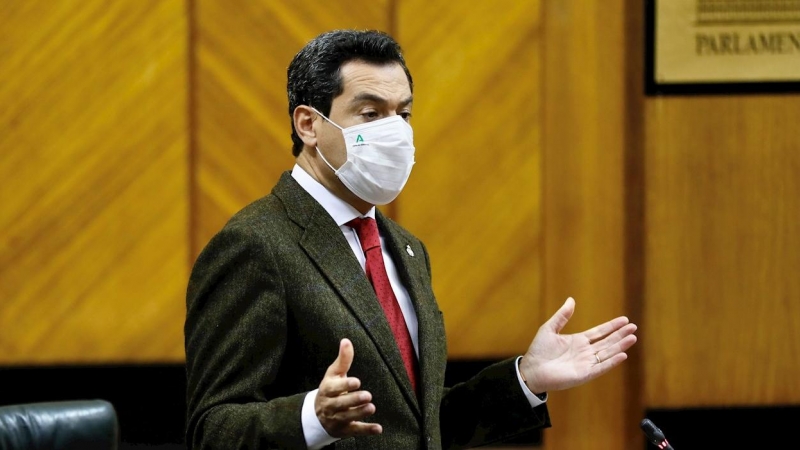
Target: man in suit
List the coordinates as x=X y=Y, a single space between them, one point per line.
x=308 y=327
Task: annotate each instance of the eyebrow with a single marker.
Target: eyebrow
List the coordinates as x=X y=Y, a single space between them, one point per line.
x=367 y=97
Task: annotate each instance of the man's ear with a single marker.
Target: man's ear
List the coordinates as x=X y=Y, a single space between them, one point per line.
x=303 y=117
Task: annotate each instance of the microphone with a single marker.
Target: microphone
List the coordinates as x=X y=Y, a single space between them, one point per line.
x=655 y=435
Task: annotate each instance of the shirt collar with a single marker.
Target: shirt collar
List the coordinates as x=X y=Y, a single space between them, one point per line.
x=341 y=211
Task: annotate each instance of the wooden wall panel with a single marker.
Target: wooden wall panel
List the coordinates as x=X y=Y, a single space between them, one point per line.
x=585 y=141
x=242 y=138
x=723 y=251
x=93 y=245
x=474 y=196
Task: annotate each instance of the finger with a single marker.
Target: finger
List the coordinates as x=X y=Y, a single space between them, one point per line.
x=347 y=401
x=557 y=322
x=602 y=330
x=342 y=363
x=334 y=386
x=619 y=347
x=616 y=336
x=354 y=414
x=608 y=364
x=364 y=429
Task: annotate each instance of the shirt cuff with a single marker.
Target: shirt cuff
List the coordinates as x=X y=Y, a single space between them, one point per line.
x=533 y=399
x=315 y=434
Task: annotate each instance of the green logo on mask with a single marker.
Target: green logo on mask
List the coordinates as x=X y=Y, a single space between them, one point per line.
x=359 y=139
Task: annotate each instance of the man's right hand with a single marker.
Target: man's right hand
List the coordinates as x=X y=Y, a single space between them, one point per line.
x=339 y=405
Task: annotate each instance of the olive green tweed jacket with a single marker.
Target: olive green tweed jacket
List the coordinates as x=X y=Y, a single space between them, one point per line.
x=268 y=301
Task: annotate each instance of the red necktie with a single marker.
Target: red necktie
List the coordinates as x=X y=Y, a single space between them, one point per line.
x=367 y=230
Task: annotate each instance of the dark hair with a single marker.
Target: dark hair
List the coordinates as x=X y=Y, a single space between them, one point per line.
x=314 y=76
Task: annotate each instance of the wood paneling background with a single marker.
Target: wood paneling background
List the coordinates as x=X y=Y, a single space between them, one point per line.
x=584 y=92
x=723 y=251
x=131 y=131
x=93 y=163
x=474 y=196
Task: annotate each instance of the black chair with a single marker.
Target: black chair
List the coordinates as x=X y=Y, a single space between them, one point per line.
x=61 y=425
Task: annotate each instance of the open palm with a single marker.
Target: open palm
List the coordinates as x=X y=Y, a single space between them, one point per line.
x=556 y=361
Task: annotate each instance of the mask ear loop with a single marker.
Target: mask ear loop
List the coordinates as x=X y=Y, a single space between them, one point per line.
x=335 y=171
x=325 y=118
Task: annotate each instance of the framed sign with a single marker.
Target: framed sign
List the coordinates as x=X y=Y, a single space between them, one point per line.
x=722 y=46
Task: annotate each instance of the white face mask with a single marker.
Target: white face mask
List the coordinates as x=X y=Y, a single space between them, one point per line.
x=380 y=155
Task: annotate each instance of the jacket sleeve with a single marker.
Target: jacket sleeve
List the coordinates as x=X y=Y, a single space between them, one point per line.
x=489 y=408
x=235 y=339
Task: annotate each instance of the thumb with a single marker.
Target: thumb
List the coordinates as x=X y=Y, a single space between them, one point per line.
x=345 y=359
x=557 y=322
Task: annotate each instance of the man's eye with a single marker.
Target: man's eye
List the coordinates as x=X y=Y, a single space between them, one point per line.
x=370 y=115
x=406 y=115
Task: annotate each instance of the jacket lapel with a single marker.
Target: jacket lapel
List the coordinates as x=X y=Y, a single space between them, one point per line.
x=328 y=249
x=413 y=272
